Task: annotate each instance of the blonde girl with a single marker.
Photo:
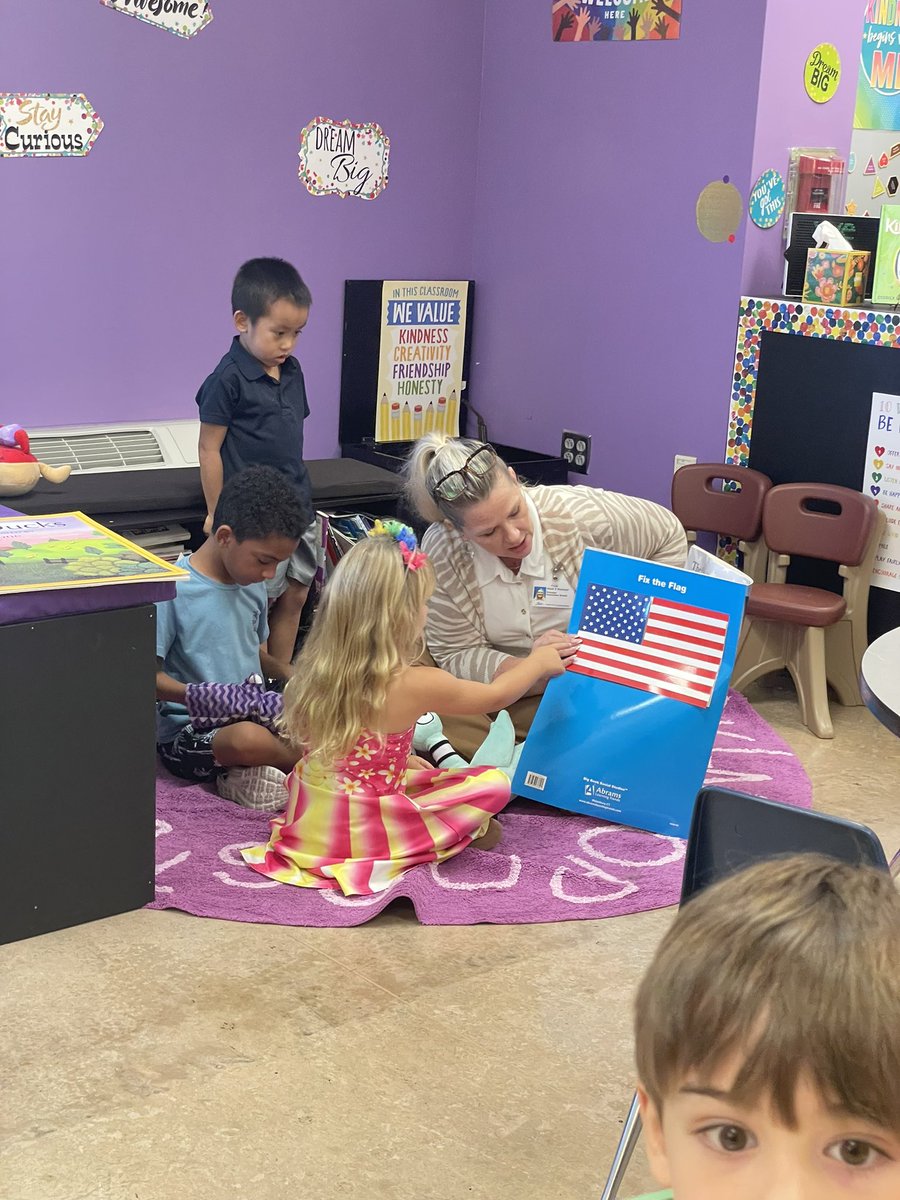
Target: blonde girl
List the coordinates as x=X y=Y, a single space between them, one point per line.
x=361 y=811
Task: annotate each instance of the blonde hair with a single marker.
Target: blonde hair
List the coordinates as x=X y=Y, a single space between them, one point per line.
x=792 y=969
x=436 y=455
x=366 y=629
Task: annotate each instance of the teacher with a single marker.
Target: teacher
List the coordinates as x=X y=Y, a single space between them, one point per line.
x=506 y=557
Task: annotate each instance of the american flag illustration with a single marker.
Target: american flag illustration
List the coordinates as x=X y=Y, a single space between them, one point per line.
x=651 y=643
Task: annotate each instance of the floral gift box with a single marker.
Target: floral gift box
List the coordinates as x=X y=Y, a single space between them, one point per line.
x=836 y=276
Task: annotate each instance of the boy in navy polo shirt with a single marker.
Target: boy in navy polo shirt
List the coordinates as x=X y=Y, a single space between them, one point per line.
x=252 y=409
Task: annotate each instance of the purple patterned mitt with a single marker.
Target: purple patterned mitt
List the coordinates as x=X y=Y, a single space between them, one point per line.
x=211 y=705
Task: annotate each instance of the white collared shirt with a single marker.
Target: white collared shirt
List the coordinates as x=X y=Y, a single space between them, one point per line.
x=512 y=621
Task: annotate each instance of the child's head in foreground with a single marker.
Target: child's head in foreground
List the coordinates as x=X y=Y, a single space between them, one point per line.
x=768 y=1037
x=367 y=628
x=257 y=523
x=270 y=303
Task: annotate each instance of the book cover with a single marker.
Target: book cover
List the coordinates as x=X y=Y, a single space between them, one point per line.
x=886 y=283
x=69 y=550
x=626 y=733
x=818 y=182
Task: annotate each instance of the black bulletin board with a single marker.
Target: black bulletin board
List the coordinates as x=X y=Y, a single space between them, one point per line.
x=811 y=422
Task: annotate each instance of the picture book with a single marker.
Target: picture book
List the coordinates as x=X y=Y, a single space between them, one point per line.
x=626 y=732
x=69 y=550
x=886 y=284
x=338 y=532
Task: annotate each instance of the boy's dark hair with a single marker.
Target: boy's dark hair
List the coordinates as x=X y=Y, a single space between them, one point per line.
x=262 y=281
x=260 y=502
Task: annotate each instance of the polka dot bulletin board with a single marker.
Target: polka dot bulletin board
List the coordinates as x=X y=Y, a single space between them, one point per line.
x=862 y=326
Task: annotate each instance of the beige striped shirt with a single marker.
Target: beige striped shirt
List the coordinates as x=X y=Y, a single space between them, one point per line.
x=572 y=518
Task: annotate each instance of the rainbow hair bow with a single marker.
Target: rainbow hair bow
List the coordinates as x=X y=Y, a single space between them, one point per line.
x=405 y=539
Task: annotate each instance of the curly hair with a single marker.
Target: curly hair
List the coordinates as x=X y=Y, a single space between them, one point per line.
x=260 y=502
x=366 y=630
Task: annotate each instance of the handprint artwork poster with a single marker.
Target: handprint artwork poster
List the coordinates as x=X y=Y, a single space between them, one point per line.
x=615 y=20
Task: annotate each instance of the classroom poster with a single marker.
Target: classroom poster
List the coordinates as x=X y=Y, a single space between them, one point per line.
x=627 y=731
x=881 y=481
x=184 y=18
x=878 y=86
x=615 y=20
x=47 y=125
x=69 y=550
x=340 y=158
x=420 y=362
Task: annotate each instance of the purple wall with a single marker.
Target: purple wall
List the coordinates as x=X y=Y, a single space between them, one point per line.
x=601 y=308
x=787 y=117
x=118 y=267
x=563 y=178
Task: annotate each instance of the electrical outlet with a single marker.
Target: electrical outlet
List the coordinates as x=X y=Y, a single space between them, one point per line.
x=576 y=450
x=683 y=460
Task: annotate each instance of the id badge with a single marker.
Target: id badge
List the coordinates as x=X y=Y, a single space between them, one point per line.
x=550 y=594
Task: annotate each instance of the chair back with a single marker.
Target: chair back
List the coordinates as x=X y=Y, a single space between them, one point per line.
x=791 y=526
x=730 y=830
x=699 y=505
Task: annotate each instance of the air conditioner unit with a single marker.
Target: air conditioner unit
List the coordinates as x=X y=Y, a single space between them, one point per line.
x=124 y=446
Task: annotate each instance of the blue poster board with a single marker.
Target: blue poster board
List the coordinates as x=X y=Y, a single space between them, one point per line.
x=627 y=731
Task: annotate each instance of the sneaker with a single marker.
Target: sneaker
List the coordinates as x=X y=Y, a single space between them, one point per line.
x=259 y=788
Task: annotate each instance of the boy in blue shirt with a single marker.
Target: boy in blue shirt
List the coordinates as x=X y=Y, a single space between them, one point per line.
x=215 y=633
x=767 y=1035
x=252 y=409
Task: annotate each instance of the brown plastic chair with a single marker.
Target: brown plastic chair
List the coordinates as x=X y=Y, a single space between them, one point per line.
x=699 y=505
x=818 y=635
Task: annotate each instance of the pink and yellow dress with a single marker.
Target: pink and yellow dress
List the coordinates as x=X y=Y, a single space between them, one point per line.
x=360 y=824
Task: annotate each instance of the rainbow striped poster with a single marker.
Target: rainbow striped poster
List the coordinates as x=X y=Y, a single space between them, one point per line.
x=420 y=362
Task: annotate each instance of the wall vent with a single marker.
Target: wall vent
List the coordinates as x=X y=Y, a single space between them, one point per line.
x=127 y=447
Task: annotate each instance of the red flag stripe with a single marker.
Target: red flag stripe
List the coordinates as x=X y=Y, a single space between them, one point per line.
x=660 y=635
x=667 y=622
x=694 y=646
x=671 y=650
x=607 y=654
x=677 y=607
x=641 y=670
x=656 y=689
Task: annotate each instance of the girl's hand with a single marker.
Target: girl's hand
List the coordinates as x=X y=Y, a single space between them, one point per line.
x=548 y=660
x=415 y=763
x=564 y=643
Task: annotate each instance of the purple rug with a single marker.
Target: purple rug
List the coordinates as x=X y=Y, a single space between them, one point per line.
x=550 y=865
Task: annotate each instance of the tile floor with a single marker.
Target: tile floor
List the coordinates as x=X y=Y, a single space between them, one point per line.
x=156 y=1056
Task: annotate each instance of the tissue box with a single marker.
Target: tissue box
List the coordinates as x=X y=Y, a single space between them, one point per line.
x=836 y=276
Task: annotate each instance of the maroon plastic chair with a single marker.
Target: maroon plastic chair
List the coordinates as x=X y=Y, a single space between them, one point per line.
x=701 y=503
x=818 y=635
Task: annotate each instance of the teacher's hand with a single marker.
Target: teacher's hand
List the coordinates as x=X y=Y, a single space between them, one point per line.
x=564 y=643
